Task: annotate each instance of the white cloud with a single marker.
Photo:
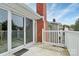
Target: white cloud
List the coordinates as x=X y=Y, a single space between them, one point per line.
x=76 y=17
x=53 y=6
x=65 y=11
x=62 y=13
x=50 y=11
x=69 y=21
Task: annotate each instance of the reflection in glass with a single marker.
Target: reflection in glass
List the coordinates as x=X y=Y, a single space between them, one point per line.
x=3 y=30
x=17 y=31
x=29 y=30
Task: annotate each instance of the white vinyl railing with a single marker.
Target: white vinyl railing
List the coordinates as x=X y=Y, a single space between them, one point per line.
x=72 y=42
x=68 y=39
x=53 y=37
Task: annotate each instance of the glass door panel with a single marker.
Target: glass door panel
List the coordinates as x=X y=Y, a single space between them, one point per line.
x=29 y=30
x=3 y=30
x=17 y=31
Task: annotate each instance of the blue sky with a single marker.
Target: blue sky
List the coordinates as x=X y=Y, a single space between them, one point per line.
x=65 y=13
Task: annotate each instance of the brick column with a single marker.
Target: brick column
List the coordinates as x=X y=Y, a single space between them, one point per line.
x=41 y=9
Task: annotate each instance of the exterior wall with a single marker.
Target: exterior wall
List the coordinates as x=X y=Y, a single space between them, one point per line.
x=41 y=9
x=55 y=27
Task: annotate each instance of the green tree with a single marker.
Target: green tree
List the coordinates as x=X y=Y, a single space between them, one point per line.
x=72 y=26
x=76 y=28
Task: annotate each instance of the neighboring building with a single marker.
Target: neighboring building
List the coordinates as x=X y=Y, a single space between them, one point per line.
x=55 y=26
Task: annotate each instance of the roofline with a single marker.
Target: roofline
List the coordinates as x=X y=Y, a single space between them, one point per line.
x=26 y=11
x=29 y=9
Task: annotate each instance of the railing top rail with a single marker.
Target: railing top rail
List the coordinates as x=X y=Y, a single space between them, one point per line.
x=72 y=31
x=52 y=31
x=60 y=31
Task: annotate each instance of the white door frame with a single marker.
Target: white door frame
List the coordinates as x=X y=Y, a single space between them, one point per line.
x=34 y=31
x=24 y=30
x=9 y=33
x=27 y=45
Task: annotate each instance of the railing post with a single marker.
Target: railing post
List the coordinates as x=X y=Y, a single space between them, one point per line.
x=43 y=37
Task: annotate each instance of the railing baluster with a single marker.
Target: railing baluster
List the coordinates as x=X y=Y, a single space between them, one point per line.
x=54 y=37
x=61 y=38
x=49 y=36
x=58 y=36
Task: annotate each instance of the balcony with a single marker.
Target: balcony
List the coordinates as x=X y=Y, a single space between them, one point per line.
x=54 y=43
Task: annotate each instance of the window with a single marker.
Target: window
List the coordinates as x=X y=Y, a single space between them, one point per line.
x=29 y=30
x=17 y=30
x=3 y=30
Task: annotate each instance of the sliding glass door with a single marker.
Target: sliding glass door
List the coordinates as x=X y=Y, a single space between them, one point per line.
x=17 y=37
x=29 y=30
x=17 y=30
x=3 y=30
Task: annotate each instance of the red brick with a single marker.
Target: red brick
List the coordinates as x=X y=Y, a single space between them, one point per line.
x=41 y=9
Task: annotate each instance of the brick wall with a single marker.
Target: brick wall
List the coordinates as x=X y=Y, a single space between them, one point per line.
x=41 y=9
